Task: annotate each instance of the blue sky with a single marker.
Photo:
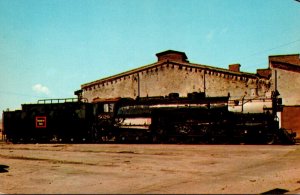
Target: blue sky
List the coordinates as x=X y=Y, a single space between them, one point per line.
x=48 y=48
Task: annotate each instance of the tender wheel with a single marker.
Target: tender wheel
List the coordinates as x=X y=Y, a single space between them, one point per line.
x=272 y=139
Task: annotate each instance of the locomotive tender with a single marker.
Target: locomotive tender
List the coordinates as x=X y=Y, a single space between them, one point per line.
x=170 y=119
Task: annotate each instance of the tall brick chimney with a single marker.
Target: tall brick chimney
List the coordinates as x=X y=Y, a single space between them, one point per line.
x=172 y=56
x=234 y=67
x=264 y=72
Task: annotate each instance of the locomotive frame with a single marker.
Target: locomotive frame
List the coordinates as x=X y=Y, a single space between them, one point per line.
x=195 y=119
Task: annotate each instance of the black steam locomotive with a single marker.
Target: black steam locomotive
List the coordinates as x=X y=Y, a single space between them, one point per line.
x=171 y=119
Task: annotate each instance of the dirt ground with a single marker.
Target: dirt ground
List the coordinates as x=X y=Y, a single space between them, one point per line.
x=155 y=169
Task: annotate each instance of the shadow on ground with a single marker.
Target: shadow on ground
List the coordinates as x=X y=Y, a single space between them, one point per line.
x=276 y=191
x=3 y=168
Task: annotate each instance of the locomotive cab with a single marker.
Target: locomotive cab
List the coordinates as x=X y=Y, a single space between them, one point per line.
x=104 y=112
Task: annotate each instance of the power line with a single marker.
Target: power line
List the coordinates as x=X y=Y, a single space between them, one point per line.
x=279 y=46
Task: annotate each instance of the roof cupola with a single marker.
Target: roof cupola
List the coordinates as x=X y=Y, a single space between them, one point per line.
x=171 y=55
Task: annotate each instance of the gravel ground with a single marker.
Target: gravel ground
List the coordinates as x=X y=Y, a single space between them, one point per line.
x=159 y=169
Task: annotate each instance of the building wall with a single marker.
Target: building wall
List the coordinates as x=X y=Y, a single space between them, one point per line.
x=123 y=87
x=286 y=78
x=172 y=73
x=288 y=85
x=290 y=119
x=170 y=78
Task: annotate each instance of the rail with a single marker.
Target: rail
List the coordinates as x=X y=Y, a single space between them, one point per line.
x=243 y=100
x=61 y=100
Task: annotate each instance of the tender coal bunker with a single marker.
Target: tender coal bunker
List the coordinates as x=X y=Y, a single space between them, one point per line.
x=3 y=168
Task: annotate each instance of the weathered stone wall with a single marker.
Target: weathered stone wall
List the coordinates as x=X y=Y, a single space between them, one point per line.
x=238 y=86
x=170 y=78
x=123 y=87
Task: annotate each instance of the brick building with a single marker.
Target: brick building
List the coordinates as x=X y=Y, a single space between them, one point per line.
x=173 y=73
x=286 y=79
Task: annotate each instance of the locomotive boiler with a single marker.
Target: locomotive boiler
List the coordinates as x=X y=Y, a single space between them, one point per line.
x=194 y=119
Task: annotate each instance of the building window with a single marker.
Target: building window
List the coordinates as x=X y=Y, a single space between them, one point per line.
x=253 y=92
x=109 y=107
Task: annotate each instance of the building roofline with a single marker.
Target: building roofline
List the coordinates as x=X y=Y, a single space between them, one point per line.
x=126 y=73
x=186 y=64
x=213 y=68
x=296 y=54
x=285 y=66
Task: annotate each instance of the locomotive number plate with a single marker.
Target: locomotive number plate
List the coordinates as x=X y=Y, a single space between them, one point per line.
x=40 y=122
